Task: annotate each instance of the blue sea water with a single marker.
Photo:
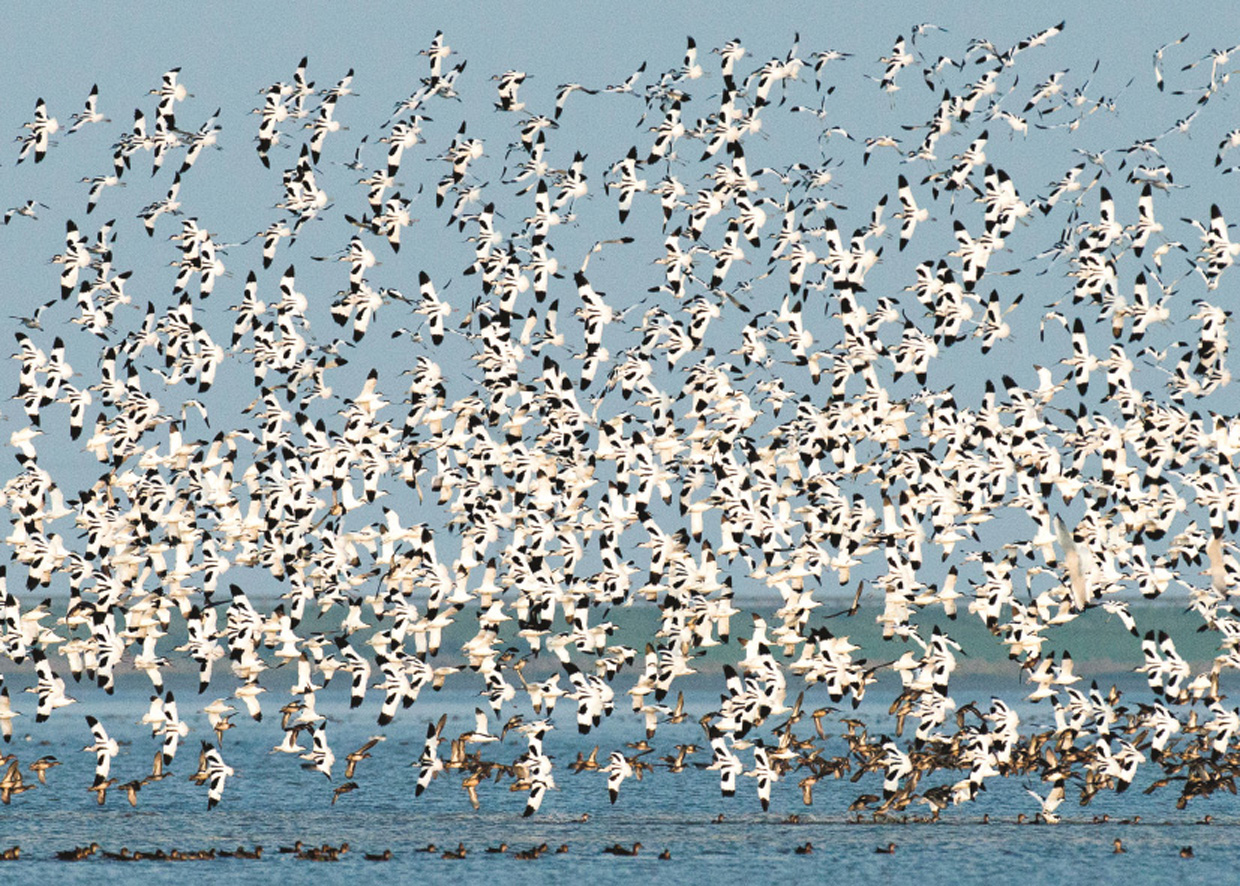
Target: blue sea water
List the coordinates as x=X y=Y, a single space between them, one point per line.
x=271 y=801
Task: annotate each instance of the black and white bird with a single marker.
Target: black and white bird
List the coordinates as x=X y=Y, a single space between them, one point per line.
x=104 y=749
x=38 y=140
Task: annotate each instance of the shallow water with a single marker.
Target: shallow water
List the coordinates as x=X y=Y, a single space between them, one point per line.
x=271 y=801
x=744 y=848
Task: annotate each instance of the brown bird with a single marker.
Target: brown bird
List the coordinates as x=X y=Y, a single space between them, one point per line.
x=807 y=849
x=361 y=754
x=1186 y=852
x=286 y=713
x=200 y=777
x=817 y=716
x=1119 y=846
x=455 y=854
x=343 y=789
x=40 y=766
x=222 y=725
x=385 y=855
x=11 y=783
x=807 y=789
x=677 y=715
x=617 y=849
x=890 y=849
x=677 y=763
x=101 y=790
x=157 y=768
x=582 y=763
x=131 y=789
x=470 y=784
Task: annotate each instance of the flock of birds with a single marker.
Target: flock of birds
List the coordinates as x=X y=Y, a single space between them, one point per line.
x=743 y=413
x=326 y=852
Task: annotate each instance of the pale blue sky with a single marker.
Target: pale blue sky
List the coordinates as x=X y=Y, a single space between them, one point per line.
x=228 y=53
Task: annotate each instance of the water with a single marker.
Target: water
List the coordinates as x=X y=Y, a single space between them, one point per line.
x=273 y=802
x=663 y=812
x=746 y=847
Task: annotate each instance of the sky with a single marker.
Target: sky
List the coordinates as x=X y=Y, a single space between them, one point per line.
x=229 y=53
